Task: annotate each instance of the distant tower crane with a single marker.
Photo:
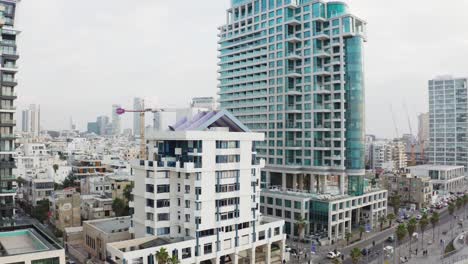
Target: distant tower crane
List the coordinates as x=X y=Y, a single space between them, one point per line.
x=142 y=111
x=413 y=143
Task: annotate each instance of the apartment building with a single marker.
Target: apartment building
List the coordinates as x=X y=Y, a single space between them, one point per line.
x=8 y=69
x=448 y=129
x=82 y=168
x=66 y=209
x=198 y=194
x=411 y=189
x=294 y=71
x=96 y=207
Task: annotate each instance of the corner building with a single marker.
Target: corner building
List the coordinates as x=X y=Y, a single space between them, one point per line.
x=294 y=71
x=197 y=196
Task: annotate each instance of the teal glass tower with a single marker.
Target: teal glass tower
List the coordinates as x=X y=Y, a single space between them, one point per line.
x=293 y=69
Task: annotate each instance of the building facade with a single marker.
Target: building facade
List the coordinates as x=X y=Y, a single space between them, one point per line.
x=138 y=104
x=448 y=116
x=8 y=69
x=294 y=71
x=116 y=128
x=423 y=129
x=198 y=196
x=411 y=189
x=66 y=209
x=445 y=179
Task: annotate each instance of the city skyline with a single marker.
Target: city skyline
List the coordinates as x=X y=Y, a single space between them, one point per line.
x=393 y=36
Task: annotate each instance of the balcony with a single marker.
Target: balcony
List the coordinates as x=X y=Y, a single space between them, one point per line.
x=293 y=108
x=8 y=96
x=292 y=91
x=322 y=35
x=292 y=21
x=294 y=73
x=7 y=122
x=7 y=163
x=11 y=81
x=293 y=4
x=7 y=136
x=293 y=144
x=292 y=38
x=322 y=72
x=293 y=55
x=322 y=53
x=293 y=126
x=7 y=190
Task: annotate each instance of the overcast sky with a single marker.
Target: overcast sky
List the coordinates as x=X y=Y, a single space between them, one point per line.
x=80 y=57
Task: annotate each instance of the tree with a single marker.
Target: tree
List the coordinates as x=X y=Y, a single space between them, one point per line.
x=434 y=221
x=382 y=221
x=348 y=236
x=336 y=261
x=174 y=260
x=361 y=230
x=20 y=181
x=301 y=224
x=422 y=225
x=41 y=210
x=162 y=257
x=459 y=203
x=56 y=167
x=451 y=210
x=411 y=227
x=395 y=202
x=69 y=181
x=355 y=255
x=119 y=208
x=127 y=193
x=390 y=218
x=400 y=234
x=465 y=202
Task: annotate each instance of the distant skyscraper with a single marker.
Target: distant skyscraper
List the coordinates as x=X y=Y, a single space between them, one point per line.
x=448 y=121
x=8 y=70
x=116 y=129
x=294 y=71
x=93 y=127
x=31 y=117
x=103 y=122
x=423 y=129
x=137 y=105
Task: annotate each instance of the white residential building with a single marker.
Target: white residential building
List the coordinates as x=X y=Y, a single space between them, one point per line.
x=444 y=178
x=198 y=197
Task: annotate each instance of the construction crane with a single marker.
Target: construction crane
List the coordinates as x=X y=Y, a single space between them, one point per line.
x=394 y=121
x=142 y=112
x=413 y=143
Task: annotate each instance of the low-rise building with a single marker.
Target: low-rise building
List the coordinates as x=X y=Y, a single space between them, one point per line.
x=35 y=190
x=411 y=189
x=96 y=207
x=98 y=233
x=82 y=168
x=66 y=211
x=28 y=244
x=445 y=178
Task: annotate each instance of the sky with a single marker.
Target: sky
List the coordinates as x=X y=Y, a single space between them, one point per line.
x=80 y=57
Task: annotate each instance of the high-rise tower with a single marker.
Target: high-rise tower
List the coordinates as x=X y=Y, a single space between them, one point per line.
x=294 y=70
x=116 y=129
x=8 y=70
x=137 y=105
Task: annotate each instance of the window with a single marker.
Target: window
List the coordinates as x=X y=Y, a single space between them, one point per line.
x=208 y=248
x=163 y=188
x=162 y=203
x=163 y=217
x=227 y=158
x=227 y=144
x=46 y=261
x=163 y=231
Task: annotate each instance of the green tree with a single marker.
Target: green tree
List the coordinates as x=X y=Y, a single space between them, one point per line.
x=41 y=210
x=301 y=224
x=395 y=202
x=459 y=203
x=355 y=255
x=382 y=221
x=162 y=257
x=20 y=181
x=435 y=218
x=174 y=260
x=336 y=261
x=422 y=225
x=411 y=228
x=127 y=193
x=56 y=167
x=451 y=210
x=348 y=236
x=361 y=230
x=391 y=218
x=119 y=207
x=400 y=234
x=70 y=181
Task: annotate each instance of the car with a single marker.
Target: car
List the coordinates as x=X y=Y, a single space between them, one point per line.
x=287 y=248
x=391 y=239
x=388 y=250
x=71 y=262
x=333 y=254
x=366 y=251
x=399 y=220
x=293 y=252
x=418 y=217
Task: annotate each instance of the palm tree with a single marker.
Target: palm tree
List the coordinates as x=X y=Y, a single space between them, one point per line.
x=400 y=234
x=382 y=221
x=355 y=255
x=301 y=224
x=395 y=202
x=465 y=202
x=390 y=218
x=451 y=209
x=411 y=227
x=162 y=257
x=361 y=230
x=174 y=260
x=422 y=225
x=434 y=221
x=348 y=236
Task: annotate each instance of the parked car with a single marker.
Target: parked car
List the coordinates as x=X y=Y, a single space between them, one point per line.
x=418 y=217
x=366 y=251
x=287 y=248
x=388 y=250
x=391 y=239
x=333 y=254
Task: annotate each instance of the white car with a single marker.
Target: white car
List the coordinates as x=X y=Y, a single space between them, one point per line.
x=333 y=255
x=418 y=217
x=287 y=248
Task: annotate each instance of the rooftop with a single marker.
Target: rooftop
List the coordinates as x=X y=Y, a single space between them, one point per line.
x=112 y=225
x=27 y=239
